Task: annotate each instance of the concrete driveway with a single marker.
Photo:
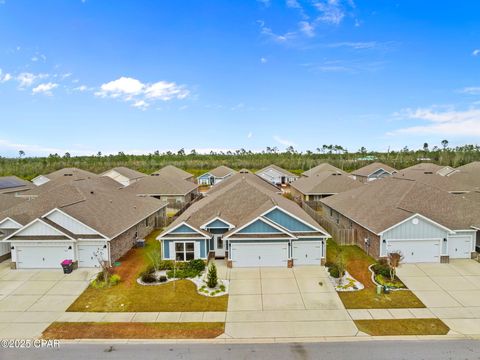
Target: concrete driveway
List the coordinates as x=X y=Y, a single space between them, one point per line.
x=285 y=303
x=31 y=299
x=450 y=291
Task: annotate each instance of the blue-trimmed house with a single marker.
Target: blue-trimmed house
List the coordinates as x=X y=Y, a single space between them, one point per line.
x=215 y=176
x=249 y=224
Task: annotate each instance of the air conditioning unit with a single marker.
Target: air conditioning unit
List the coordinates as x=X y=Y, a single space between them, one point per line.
x=140 y=243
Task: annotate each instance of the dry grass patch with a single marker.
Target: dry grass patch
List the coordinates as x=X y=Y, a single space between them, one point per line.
x=129 y=296
x=97 y=330
x=357 y=265
x=402 y=327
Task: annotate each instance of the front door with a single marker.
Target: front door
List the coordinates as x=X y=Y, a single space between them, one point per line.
x=219 y=245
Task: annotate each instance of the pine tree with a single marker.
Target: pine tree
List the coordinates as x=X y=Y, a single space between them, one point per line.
x=212 y=279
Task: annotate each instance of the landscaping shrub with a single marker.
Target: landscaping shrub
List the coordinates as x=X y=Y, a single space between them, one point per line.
x=148 y=278
x=334 y=272
x=381 y=269
x=114 y=279
x=182 y=273
x=150 y=269
x=197 y=265
x=162 y=279
x=212 y=279
x=165 y=265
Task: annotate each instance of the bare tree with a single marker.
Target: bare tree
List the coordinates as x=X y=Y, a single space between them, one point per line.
x=103 y=265
x=394 y=261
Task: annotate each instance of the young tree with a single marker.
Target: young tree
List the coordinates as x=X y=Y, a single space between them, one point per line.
x=155 y=257
x=444 y=144
x=341 y=266
x=103 y=265
x=394 y=261
x=212 y=279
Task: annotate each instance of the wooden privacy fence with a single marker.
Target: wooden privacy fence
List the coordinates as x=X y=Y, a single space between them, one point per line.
x=341 y=235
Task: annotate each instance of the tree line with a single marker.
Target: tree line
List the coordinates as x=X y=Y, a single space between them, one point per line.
x=295 y=161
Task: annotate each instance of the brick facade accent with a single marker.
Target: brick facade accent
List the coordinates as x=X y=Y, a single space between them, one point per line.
x=120 y=245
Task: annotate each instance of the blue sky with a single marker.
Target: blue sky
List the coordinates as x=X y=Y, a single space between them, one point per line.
x=138 y=76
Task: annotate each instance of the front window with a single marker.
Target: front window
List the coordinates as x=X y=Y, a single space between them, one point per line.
x=184 y=251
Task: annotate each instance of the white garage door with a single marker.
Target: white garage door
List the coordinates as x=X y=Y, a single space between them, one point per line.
x=86 y=254
x=36 y=257
x=460 y=247
x=416 y=251
x=307 y=253
x=248 y=255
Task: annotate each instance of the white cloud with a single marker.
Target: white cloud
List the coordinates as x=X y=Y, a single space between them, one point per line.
x=26 y=79
x=45 y=88
x=249 y=135
x=307 y=28
x=4 y=78
x=38 y=57
x=263 y=60
x=471 y=90
x=442 y=122
x=355 y=45
x=331 y=11
x=266 y=31
x=293 y=4
x=133 y=90
x=283 y=141
x=476 y=52
x=81 y=88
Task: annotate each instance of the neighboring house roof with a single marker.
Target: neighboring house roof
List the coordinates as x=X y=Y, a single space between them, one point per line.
x=220 y=171
x=244 y=173
x=424 y=167
x=8 y=201
x=161 y=185
x=320 y=168
x=171 y=170
x=325 y=182
x=372 y=168
x=382 y=204
x=69 y=172
x=238 y=202
x=12 y=184
x=447 y=183
x=468 y=174
x=94 y=202
x=277 y=168
x=128 y=173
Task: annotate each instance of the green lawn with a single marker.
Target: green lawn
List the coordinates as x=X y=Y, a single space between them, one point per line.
x=131 y=330
x=357 y=265
x=392 y=327
x=129 y=296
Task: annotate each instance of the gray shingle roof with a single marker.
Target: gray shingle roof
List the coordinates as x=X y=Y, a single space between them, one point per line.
x=383 y=203
x=161 y=185
x=325 y=182
x=128 y=173
x=241 y=199
x=173 y=171
x=371 y=168
x=94 y=202
x=321 y=168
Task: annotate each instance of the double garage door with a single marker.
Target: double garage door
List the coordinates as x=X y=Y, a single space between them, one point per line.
x=259 y=254
x=416 y=251
x=276 y=254
x=49 y=256
x=42 y=257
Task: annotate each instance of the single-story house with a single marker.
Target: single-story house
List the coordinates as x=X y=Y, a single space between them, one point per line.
x=321 y=168
x=66 y=173
x=373 y=171
x=14 y=185
x=82 y=221
x=430 y=168
x=423 y=222
x=123 y=175
x=276 y=175
x=170 y=189
x=322 y=184
x=214 y=176
x=175 y=172
x=248 y=224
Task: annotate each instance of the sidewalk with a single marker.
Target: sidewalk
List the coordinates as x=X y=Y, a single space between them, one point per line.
x=143 y=317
